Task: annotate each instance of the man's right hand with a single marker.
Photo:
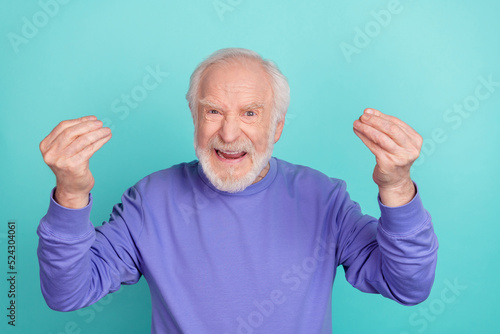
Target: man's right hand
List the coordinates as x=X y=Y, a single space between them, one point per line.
x=67 y=150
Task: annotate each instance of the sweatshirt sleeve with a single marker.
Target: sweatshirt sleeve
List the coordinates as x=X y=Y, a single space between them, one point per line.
x=395 y=256
x=80 y=264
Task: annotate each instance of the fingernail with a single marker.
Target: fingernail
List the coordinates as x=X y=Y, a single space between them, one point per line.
x=369 y=111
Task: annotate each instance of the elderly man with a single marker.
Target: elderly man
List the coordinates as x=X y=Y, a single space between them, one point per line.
x=239 y=241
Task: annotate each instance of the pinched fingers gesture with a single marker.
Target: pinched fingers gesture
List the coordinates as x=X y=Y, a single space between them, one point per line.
x=395 y=146
x=67 y=150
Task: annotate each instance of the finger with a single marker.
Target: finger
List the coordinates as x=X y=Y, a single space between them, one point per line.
x=374 y=148
x=87 y=139
x=392 y=130
x=393 y=119
x=70 y=134
x=47 y=141
x=379 y=138
x=408 y=129
x=89 y=150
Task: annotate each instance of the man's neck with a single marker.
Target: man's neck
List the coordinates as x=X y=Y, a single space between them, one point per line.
x=262 y=174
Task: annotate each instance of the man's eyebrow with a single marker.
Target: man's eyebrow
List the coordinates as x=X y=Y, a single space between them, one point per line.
x=255 y=105
x=208 y=103
x=251 y=106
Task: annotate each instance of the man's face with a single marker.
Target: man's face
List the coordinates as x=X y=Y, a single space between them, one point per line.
x=234 y=136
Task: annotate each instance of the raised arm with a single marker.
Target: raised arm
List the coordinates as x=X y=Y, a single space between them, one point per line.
x=80 y=264
x=397 y=255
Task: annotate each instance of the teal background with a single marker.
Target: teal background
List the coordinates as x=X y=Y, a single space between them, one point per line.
x=429 y=57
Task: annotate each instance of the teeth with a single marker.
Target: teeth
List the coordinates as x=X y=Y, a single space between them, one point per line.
x=220 y=153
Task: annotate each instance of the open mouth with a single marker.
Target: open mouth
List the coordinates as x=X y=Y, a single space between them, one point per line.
x=230 y=155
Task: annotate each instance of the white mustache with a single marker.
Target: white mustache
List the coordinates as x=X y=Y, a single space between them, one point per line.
x=244 y=145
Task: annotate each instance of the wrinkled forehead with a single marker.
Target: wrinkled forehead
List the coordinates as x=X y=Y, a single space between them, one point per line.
x=240 y=79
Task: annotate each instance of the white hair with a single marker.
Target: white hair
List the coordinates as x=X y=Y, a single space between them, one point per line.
x=279 y=83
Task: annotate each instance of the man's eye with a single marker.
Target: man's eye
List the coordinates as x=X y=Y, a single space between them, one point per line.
x=213 y=112
x=250 y=113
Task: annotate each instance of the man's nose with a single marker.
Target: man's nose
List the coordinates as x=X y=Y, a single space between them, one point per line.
x=230 y=129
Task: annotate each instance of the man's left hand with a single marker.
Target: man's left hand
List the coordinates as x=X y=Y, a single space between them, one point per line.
x=396 y=146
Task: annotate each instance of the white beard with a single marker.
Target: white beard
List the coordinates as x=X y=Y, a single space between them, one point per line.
x=229 y=182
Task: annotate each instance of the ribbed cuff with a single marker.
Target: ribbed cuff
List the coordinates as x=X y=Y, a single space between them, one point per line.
x=65 y=222
x=405 y=219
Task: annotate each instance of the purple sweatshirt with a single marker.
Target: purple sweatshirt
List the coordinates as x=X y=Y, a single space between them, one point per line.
x=259 y=261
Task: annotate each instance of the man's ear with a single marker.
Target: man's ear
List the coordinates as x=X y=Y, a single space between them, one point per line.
x=192 y=114
x=279 y=130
